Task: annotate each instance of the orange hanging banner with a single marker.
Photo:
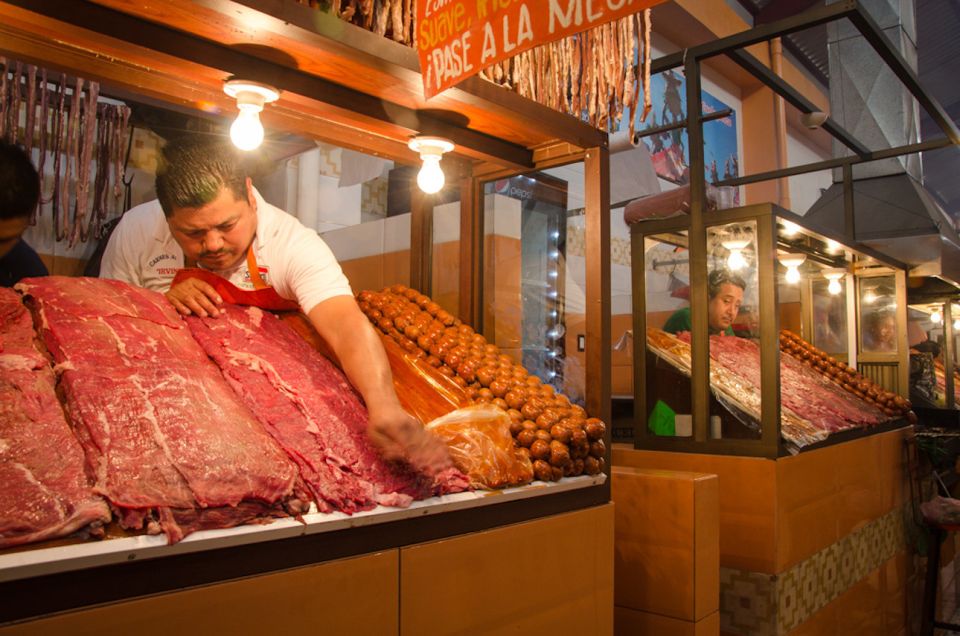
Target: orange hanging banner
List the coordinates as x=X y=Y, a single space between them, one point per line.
x=458 y=38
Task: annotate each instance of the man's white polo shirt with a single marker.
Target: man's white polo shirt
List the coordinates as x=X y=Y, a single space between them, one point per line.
x=291 y=258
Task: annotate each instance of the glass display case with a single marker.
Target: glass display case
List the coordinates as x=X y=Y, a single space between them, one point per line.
x=768 y=340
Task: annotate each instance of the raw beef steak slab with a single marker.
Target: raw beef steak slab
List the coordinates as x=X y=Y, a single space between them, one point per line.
x=44 y=491
x=165 y=437
x=310 y=408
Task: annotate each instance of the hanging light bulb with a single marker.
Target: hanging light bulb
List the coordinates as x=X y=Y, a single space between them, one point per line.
x=832 y=246
x=834 y=274
x=792 y=262
x=936 y=317
x=246 y=132
x=431 y=149
x=735 y=260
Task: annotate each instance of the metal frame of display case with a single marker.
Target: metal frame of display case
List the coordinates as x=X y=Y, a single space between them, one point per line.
x=698 y=219
x=765 y=215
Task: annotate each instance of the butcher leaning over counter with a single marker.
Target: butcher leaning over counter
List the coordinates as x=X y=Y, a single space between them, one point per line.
x=208 y=215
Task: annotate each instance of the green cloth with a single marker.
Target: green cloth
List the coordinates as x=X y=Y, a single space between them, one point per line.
x=680 y=321
x=662 y=420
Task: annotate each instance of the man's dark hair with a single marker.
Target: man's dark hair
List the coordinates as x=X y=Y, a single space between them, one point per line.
x=717 y=277
x=192 y=171
x=19 y=183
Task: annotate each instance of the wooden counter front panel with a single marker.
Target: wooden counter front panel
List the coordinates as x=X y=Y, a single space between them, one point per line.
x=350 y=596
x=548 y=576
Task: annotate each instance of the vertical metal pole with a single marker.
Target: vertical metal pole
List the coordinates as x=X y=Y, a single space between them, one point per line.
x=596 y=169
x=769 y=338
x=638 y=272
x=699 y=339
x=948 y=356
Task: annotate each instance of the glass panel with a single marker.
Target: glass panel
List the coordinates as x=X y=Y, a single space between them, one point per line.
x=878 y=319
x=928 y=380
x=533 y=291
x=667 y=271
x=445 y=268
x=830 y=316
x=733 y=317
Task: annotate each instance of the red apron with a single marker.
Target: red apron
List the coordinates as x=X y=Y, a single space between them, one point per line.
x=263 y=295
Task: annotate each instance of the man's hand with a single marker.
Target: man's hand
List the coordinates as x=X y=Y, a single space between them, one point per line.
x=400 y=436
x=194 y=296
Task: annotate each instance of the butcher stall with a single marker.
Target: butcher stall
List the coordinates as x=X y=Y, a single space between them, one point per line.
x=219 y=470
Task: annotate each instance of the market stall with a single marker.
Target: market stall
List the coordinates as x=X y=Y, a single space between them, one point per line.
x=758 y=323
x=344 y=85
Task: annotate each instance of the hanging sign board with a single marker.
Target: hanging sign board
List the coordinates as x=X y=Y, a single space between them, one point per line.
x=458 y=38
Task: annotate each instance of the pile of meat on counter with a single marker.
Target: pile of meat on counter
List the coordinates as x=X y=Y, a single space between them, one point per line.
x=819 y=395
x=113 y=407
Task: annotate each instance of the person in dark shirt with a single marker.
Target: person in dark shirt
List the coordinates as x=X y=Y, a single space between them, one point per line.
x=19 y=194
x=725 y=291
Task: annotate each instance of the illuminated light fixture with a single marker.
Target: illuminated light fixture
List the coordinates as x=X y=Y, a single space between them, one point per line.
x=431 y=149
x=834 y=274
x=870 y=297
x=790 y=228
x=792 y=262
x=247 y=131
x=735 y=260
x=956 y=324
x=936 y=317
x=832 y=246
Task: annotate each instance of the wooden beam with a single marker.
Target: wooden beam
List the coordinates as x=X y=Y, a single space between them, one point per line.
x=596 y=169
x=364 y=110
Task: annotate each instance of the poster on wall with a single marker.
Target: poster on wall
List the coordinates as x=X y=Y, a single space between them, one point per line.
x=669 y=150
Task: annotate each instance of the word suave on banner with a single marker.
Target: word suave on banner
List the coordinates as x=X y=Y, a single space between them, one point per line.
x=458 y=38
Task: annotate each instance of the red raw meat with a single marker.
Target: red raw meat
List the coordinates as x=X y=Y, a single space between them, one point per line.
x=44 y=492
x=311 y=409
x=802 y=390
x=165 y=437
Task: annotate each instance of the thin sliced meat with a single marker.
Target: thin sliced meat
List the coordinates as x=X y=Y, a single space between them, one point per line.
x=44 y=491
x=310 y=408
x=163 y=434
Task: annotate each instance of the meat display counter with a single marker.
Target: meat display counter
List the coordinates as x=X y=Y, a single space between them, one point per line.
x=802 y=338
x=233 y=443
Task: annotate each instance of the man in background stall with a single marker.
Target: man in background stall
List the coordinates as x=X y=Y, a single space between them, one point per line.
x=725 y=292
x=19 y=194
x=208 y=215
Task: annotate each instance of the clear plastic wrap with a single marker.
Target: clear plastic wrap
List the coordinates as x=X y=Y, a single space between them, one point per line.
x=481 y=446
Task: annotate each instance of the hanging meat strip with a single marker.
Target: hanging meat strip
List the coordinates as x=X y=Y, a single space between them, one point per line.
x=101 y=181
x=71 y=148
x=630 y=63
x=31 y=119
x=13 y=113
x=57 y=148
x=396 y=19
x=647 y=101
x=380 y=17
x=120 y=156
x=44 y=129
x=87 y=141
x=407 y=20
x=366 y=10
